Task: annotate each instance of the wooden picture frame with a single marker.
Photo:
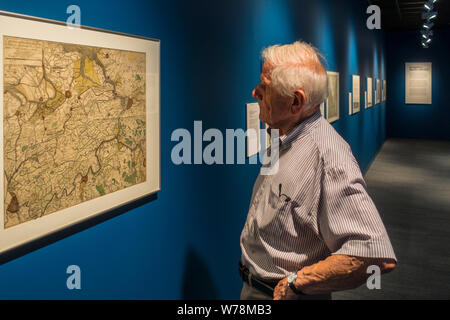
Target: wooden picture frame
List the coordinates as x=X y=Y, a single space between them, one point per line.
x=80 y=129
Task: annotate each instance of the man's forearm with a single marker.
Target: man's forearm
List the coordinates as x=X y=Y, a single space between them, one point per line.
x=337 y=272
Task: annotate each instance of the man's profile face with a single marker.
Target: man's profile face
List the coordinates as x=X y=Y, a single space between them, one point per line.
x=274 y=107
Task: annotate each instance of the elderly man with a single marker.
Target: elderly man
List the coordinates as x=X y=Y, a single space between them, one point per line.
x=311 y=228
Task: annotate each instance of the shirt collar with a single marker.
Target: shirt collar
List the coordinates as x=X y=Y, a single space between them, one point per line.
x=300 y=130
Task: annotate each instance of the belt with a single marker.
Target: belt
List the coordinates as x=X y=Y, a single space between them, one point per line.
x=265 y=286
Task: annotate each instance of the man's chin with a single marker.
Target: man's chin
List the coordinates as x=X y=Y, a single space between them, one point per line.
x=263 y=119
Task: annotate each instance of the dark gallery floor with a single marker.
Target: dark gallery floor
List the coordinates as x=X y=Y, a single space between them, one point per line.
x=409 y=181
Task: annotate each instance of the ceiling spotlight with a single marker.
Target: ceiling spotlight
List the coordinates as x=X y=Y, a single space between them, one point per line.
x=426 y=33
x=429 y=15
x=427 y=25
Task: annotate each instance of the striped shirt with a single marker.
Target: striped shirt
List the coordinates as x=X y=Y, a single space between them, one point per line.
x=315 y=205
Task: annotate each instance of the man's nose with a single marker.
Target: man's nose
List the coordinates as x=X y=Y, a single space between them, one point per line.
x=256 y=94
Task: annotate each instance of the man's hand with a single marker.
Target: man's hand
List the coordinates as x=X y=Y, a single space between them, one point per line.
x=283 y=292
x=335 y=273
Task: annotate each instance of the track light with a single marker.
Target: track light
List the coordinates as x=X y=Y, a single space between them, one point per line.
x=429 y=15
x=426 y=40
x=426 y=33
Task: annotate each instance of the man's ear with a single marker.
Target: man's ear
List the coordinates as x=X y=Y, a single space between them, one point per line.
x=298 y=101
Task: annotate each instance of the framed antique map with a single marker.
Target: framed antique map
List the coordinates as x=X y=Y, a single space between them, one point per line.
x=332 y=101
x=80 y=124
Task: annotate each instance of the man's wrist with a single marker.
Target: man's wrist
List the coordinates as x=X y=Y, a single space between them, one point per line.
x=298 y=281
x=294 y=283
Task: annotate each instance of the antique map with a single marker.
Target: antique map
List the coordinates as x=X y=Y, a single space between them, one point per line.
x=74 y=125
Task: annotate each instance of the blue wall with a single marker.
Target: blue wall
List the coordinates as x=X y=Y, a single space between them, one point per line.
x=414 y=120
x=186 y=243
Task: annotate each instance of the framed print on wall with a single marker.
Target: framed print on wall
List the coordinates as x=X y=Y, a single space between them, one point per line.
x=378 y=92
x=418 y=84
x=356 y=101
x=369 y=92
x=81 y=124
x=253 y=129
x=332 y=103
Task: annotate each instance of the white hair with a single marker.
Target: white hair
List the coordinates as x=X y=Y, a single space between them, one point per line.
x=297 y=66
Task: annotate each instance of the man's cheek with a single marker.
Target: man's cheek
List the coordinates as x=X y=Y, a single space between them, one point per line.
x=264 y=109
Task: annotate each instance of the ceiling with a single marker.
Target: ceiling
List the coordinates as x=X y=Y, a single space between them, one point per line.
x=406 y=14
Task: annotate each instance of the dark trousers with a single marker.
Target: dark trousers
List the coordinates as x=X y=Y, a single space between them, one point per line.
x=250 y=293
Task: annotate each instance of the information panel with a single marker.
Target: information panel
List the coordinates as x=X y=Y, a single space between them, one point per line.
x=418 y=82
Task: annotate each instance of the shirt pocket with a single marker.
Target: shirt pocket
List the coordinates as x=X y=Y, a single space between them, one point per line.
x=273 y=210
x=296 y=206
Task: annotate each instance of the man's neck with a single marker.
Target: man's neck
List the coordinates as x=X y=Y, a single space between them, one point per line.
x=285 y=128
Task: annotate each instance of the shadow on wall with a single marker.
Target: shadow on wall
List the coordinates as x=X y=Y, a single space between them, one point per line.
x=198 y=282
x=73 y=229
